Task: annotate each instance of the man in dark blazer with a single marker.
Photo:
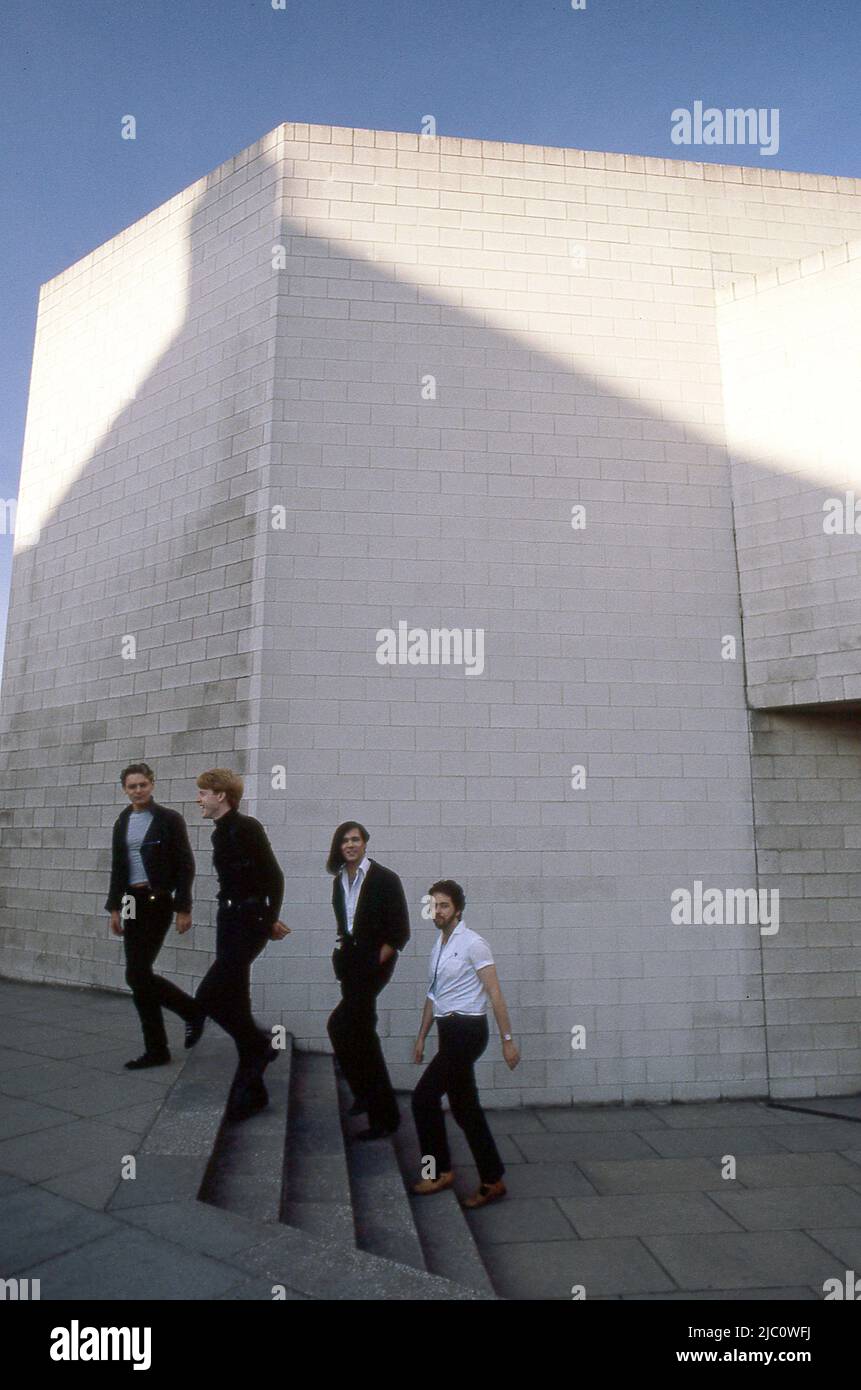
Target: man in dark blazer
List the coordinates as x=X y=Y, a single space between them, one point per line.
x=152 y=869
x=373 y=924
x=250 y=892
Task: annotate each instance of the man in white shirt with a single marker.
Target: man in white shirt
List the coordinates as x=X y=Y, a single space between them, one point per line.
x=462 y=980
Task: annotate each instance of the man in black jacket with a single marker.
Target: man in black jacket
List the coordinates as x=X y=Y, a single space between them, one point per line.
x=152 y=870
x=250 y=892
x=373 y=925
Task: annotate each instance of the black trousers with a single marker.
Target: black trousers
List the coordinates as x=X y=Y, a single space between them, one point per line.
x=143 y=937
x=352 y=1029
x=462 y=1039
x=224 y=993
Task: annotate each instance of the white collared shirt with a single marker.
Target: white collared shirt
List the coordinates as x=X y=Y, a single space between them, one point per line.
x=351 y=890
x=458 y=989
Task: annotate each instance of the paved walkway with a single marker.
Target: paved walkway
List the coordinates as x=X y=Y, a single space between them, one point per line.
x=628 y=1202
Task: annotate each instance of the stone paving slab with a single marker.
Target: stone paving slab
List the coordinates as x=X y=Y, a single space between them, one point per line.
x=112 y=1062
x=649 y=1214
x=136 y=1118
x=63 y=1148
x=536 y=1180
x=844 y=1244
x=519 y=1219
x=19 y=1117
x=713 y=1142
x=92 y=1186
x=827 y=1134
x=41 y=1076
x=652 y=1175
x=796 y=1170
x=38 y=1224
x=525 y=1121
x=55 y=1042
x=720 y=1113
x=510 y=1146
x=742 y=1260
x=792 y=1208
x=10 y=1183
x=156 y=1174
x=601 y=1118
x=10 y=1060
x=574 y=1148
x=197 y=1226
x=549 y=1269
x=128 y=1264
x=101 y=1095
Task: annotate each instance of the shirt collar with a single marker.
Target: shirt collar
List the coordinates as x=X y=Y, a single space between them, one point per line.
x=226 y=820
x=461 y=926
x=362 y=869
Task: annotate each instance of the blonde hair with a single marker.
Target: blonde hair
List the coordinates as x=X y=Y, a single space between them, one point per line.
x=221 y=779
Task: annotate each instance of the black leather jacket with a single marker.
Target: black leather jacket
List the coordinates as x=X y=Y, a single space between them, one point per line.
x=166 y=854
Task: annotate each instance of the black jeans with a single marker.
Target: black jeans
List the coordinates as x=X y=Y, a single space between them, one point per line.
x=462 y=1039
x=142 y=940
x=224 y=993
x=352 y=1029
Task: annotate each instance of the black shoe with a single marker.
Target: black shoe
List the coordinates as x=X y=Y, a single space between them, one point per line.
x=376 y=1132
x=194 y=1030
x=149 y=1059
x=244 y=1106
x=359 y=1107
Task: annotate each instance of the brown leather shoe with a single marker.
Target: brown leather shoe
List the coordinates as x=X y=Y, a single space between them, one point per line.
x=488 y=1192
x=429 y=1185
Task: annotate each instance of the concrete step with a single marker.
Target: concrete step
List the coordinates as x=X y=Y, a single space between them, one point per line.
x=381 y=1208
x=245 y=1175
x=316 y=1196
x=176 y=1162
x=447 y=1242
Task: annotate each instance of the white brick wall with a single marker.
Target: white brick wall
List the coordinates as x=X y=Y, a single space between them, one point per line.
x=805 y=768
x=148 y=506
x=791 y=354
x=564 y=302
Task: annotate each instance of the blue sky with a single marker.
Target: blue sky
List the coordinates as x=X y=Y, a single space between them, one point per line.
x=205 y=78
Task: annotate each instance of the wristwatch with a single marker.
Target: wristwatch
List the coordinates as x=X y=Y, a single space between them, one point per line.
x=506 y=1037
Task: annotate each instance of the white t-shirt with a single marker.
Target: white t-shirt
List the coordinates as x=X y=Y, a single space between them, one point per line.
x=457 y=988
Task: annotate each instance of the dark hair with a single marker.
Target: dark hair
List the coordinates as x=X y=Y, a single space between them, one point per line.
x=143 y=768
x=452 y=890
x=336 y=858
